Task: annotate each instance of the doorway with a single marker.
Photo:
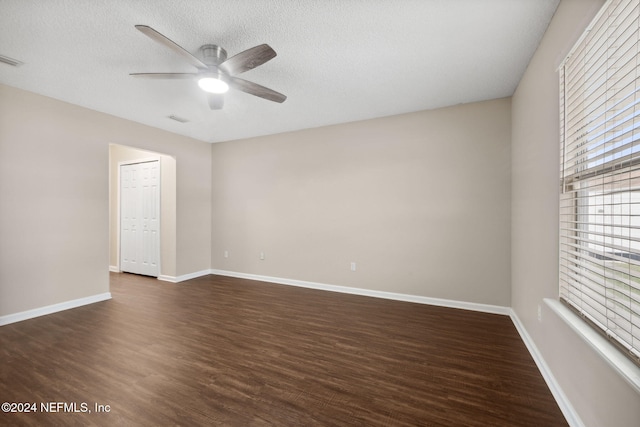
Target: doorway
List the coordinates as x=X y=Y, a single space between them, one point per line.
x=124 y=155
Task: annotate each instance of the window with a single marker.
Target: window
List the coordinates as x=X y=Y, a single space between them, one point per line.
x=600 y=175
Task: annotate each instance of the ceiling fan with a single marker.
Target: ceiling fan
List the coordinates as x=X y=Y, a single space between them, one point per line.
x=216 y=74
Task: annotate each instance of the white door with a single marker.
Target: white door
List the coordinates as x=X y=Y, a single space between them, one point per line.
x=140 y=218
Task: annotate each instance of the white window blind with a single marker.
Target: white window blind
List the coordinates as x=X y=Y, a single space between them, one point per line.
x=600 y=175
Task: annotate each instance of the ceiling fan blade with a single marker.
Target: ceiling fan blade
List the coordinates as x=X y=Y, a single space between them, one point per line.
x=256 y=89
x=248 y=60
x=165 y=75
x=216 y=101
x=156 y=36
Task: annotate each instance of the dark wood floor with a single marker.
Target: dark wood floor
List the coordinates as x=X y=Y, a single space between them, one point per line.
x=233 y=352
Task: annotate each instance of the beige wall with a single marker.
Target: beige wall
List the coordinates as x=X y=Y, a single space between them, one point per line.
x=119 y=154
x=54 y=198
x=419 y=201
x=599 y=395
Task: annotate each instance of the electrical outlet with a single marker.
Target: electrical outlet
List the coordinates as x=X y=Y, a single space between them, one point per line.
x=262 y=256
x=226 y=254
x=353 y=266
x=539 y=313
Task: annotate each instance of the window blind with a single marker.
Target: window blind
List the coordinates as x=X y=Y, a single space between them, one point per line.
x=600 y=175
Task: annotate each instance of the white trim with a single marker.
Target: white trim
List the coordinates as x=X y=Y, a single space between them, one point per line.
x=567 y=409
x=190 y=276
x=578 y=34
x=141 y=160
x=114 y=269
x=49 y=309
x=621 y=364
x=163 y=277
x=585 y=33
x=486 y=308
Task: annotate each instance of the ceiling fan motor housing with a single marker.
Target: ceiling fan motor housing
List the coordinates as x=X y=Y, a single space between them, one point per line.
x=213 y=55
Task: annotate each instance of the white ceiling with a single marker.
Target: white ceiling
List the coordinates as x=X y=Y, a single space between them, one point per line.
x=338 y=60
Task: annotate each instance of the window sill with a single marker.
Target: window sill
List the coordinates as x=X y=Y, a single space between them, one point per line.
x=625 y=367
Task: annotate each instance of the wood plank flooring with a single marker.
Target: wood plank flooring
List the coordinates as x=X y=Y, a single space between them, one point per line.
x=233 y=352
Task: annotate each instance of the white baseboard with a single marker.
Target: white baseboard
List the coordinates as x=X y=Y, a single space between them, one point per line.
x=174 y=279
x=162 y=277
x=486 y=308
x=49 y=309
x=195 y=275
x=563 y=401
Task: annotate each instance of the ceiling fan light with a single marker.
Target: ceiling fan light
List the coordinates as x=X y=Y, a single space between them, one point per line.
x=213 y=85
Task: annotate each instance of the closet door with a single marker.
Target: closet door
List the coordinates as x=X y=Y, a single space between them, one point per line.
x=140 y=218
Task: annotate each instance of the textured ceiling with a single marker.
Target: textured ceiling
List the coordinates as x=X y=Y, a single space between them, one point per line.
x=338 y=60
